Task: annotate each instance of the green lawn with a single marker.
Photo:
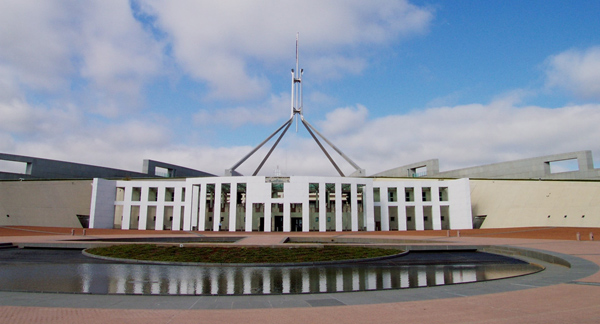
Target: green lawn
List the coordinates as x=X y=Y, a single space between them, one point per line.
x=153 y=252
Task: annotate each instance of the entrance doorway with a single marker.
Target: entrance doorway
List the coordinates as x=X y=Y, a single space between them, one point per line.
x=278 y=225
x=296 y=224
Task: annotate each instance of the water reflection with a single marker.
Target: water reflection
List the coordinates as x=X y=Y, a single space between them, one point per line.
x=187 y=280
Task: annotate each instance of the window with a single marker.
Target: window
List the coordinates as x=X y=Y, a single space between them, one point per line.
x=444 y=194
x=169 y=194
x=276 y=190
x=392 y=194
x=426 y=194
x=376 y=195
x=152 y=194
x=409 y=194
x=136 y=194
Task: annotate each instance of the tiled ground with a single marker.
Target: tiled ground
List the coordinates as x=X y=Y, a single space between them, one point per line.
x=524 y=300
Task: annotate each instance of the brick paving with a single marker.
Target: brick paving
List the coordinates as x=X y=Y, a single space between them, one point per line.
x=571 y=302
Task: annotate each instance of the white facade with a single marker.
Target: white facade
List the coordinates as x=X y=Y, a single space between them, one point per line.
x=284 y=204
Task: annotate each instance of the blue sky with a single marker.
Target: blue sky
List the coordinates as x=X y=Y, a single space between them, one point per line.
x=199 y=83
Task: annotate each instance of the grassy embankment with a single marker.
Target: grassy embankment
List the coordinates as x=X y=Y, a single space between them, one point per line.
x=152 y=252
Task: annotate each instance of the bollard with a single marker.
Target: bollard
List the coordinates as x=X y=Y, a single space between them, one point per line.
x=591 y=236
x=448 y=233
x=457 y=233
x=72 y=232
x=578 y=236
x=84 y=232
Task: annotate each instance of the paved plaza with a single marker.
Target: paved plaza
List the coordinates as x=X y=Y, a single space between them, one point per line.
x=557 y=295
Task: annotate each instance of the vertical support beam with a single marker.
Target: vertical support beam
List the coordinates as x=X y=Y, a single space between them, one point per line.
x=143 y=222
x=369 y=206
x=267 y=216
x=217 y=207
x=354 y=207
x=338 y=207
x=402 y=208
x=191 y=214
x=125 y=223
x=436 y=213
x=419 y=221
x=322 y=207
x=232 y=206
x=249 y=213
x=202 y=208
x=287 y=216
x=160 y=209
x=176 y=225
x=385 y=209
x=306 y=214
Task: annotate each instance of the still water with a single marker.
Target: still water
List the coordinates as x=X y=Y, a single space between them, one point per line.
x=121 y=278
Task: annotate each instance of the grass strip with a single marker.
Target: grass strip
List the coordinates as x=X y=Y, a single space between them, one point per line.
x=153 y=252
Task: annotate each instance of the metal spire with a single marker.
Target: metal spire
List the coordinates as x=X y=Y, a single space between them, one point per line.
x=296 y=112
x=296 y=106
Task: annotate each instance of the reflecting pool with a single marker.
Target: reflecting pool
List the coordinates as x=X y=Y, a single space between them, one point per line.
x=78 y=274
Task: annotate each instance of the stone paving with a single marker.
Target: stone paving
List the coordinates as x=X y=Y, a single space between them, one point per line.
x=557 y=295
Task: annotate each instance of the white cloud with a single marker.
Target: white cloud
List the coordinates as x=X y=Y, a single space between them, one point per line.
x=274 y=109
x=215 y=41
x=345 y=120
x=577 y=71
x=48 y=46
x=333 y=67
x=474 y=134
x=460 y=136
x=21 y=118
x=118 y=56
x=34 y=37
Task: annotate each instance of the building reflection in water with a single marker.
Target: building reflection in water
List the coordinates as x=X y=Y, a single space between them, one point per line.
x=103 y=278
x=188 y=280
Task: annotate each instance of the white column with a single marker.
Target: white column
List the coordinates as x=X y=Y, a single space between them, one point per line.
x=305 y=215
x=191 y=216
x=419 y=221
x=338 y=207
x=126 y=221
x=202 y=208
x=267 y=216
x=176 y=225
x=385 y=209
x=143 y=208
x=248 y=216
x=354 y=207
x=160 y=209
x=402 y=217
x=217 y=207
x=369 y=206
x=322 y=207
x=436 y=216
x=232 y=206
x=287 y=221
